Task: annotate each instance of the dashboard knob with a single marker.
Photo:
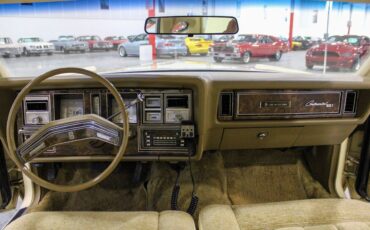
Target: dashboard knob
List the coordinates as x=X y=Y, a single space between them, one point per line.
x=262 y=135
x=37 y=120
x=179 y=117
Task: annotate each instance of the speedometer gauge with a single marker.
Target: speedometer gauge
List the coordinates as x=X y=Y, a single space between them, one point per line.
x=68 y=105
x=132 y=112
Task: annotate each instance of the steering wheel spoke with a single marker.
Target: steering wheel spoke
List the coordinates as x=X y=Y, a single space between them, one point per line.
x=72 y=129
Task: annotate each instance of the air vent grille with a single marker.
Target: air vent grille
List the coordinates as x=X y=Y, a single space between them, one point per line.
x=226 y=104
x=351 y=98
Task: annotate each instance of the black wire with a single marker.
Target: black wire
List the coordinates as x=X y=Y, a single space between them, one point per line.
x=191 y=172
x=194 y=199
x=175 y=192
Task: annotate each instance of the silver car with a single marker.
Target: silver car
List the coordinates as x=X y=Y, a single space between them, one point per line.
x=165 y=46
x=8 y=48
x=69 y=43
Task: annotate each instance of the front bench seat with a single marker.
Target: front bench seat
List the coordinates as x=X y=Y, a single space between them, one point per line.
x=318 y=214
x=166 y=220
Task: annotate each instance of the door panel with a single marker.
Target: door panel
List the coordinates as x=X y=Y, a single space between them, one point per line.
x=5 y=190
x=356 y=162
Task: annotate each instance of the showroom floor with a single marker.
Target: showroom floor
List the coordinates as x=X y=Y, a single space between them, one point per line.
x=111 y=61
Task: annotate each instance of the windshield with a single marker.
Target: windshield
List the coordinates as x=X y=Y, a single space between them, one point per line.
x=303 y=36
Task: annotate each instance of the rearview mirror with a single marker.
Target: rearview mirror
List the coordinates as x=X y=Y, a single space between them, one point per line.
x=190 y=25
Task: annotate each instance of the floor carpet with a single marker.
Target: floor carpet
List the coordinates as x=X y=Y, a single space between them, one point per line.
x=232 y=177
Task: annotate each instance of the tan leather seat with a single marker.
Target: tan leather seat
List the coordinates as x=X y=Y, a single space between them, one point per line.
x=166 y=220
x=318 y=214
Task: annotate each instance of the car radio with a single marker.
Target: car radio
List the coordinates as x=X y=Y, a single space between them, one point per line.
x=164 y=139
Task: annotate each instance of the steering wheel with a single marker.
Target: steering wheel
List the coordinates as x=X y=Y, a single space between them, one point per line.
x=77 y=128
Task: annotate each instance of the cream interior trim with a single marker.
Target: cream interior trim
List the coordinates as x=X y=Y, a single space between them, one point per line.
x=365 y=68
x=207 y=86
x=29 y=191
x=340 y=169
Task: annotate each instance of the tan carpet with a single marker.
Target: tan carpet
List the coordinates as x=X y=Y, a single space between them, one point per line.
x=258 y=176
x=210 y=179
x=232 y=177
x=116 y=193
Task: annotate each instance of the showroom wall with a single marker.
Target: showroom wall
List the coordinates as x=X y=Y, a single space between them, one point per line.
x=126 y=17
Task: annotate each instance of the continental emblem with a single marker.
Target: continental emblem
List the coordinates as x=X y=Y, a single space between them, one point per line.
x=314 y=103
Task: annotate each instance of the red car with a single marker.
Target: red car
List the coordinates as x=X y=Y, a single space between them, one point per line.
x=247 y=46
x=96 y=43
x=342 y=52
x=116 y=40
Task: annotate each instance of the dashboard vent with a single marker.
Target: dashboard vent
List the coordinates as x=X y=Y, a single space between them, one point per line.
x=226 y=104
x=350 y=105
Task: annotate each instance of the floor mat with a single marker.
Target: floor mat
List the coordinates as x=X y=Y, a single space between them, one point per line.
x=257 y=176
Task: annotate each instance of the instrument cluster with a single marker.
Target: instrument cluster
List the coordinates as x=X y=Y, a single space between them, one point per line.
x=161 y=120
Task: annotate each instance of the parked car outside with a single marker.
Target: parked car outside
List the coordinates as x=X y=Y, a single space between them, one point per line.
x=304 y=42
x=197 y=45
x=219 y=40
x=8 y=48
x=69 y=43
x=131 y=37
x=296 y=44
x=247 y=46
x=224 y=38
x=96 y=43
x=116 y=40
x=35 y=46
x=166 y=45
x=343 y=52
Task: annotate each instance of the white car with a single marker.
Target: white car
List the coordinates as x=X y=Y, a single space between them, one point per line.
x=8 y=48
x=36 y=46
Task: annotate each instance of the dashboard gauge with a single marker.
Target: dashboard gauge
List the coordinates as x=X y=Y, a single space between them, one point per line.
x=70 y=108
x=68 y=105
x=132 y=112
x=95 y=100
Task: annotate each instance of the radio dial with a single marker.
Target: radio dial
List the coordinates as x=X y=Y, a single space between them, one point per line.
x=37 y=120
x=179 y=117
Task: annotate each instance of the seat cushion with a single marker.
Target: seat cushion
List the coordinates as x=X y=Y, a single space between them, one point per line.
x=315 y=214
x=166 y=220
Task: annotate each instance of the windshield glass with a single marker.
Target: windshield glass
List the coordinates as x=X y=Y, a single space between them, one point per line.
x=303 y=36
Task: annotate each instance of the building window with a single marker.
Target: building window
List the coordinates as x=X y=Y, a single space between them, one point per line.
x=315 y=16
x=104 y=4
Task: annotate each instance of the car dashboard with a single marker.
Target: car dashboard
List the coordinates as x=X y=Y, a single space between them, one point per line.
x=186 y=114
x=161 y=120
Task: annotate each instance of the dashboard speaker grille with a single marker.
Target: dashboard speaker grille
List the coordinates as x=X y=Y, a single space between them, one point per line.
x=350 y=105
